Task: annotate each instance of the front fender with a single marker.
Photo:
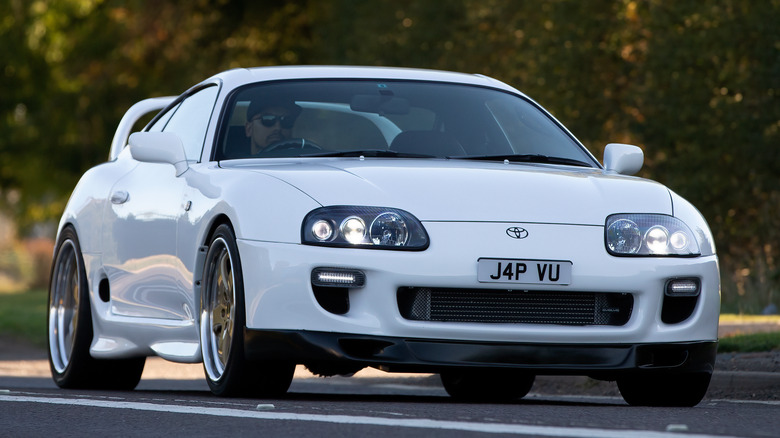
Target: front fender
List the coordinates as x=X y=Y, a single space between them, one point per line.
x=261 y=207
x=258 y=207
x=685 y=211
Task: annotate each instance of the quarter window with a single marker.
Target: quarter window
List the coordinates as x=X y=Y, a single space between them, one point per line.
x=162 y=121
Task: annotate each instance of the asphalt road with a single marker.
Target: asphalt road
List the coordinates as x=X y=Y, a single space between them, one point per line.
x=173 y=400
x=365 y=405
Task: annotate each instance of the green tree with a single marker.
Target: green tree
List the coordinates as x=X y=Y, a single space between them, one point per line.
x=694 y=83
x=709 y=94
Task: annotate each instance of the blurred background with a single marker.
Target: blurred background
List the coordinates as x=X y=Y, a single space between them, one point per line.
x=695 y=84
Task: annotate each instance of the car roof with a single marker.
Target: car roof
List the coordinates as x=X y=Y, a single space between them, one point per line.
x=237 y=77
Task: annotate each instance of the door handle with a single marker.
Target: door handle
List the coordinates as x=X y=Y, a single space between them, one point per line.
x=120 y=197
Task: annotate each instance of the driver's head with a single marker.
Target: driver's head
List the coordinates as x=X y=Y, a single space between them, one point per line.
x=269 y=121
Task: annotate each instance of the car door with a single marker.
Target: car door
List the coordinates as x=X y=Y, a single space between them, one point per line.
x=146 y=276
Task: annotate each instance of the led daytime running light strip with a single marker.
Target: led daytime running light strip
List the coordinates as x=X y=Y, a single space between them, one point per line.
x=336 y=277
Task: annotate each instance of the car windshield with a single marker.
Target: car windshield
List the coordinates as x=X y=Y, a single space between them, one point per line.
x=392 y=119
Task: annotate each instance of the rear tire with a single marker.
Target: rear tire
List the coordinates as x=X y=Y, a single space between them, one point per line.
x=222 y=323
x=678 y=390
x=497 y=385
x=70 y=328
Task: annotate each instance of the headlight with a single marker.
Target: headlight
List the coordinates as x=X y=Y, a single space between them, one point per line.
x=649 y=235
x=364 y=227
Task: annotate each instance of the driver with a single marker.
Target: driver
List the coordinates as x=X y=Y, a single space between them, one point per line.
x=269 y=122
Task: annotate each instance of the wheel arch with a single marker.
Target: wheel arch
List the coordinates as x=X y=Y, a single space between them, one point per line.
x=220 y=219
x=94 y=275
x=73 y=226
x=216 y=221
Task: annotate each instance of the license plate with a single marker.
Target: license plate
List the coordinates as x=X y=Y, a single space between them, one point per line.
x=523 y=271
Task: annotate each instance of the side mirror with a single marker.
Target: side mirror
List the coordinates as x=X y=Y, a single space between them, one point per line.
x=158 y=147
x=624 y=159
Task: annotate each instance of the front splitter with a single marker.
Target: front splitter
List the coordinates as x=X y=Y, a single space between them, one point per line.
x=433 y=355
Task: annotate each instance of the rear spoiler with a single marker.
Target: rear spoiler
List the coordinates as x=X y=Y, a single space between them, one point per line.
x=132 y=115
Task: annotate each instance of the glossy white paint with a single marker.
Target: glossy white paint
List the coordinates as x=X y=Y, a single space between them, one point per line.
x=625 y=159
x=142 y=224
x=280 y=297
x=494 y=192
x=159 y=147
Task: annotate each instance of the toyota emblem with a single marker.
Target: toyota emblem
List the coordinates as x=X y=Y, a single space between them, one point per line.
x=517 y=232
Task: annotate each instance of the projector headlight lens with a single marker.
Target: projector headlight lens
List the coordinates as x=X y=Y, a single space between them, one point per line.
x=354 y=230
x=322 y=230
x=657 y=239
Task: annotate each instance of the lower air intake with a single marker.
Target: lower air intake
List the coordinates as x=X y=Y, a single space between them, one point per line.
x=512 y=306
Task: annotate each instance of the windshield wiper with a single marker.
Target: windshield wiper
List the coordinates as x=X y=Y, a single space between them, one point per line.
x=382 y=153
x=527 y=158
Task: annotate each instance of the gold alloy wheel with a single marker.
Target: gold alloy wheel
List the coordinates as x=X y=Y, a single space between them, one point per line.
x=219 y=310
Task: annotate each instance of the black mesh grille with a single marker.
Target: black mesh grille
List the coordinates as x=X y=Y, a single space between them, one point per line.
x=522 y=307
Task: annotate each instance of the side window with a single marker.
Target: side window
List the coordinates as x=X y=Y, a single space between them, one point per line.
x=191 y=119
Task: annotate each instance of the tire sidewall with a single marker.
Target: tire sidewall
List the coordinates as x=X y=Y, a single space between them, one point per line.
x=671 y=390
x=494 y=385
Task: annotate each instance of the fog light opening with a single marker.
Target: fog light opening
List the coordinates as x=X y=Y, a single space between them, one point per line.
x=338 y=277
x=688 y=287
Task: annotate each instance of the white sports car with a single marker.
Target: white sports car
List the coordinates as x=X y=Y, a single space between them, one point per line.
x=407 y=220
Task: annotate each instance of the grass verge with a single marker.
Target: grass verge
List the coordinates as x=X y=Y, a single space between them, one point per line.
x=749 y=319
x=750 y=343
x=23 y=316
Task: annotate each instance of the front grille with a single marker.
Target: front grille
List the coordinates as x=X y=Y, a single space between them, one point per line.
x=512 y=306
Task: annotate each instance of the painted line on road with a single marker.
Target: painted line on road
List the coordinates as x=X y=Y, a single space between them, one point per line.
x=520 y=429
x=748 y=402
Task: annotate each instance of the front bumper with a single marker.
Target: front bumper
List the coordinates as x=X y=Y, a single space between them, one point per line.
x=605 y=361
x=279 y=295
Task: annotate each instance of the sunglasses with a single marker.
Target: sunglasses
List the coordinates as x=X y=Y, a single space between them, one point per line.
x=268 y=120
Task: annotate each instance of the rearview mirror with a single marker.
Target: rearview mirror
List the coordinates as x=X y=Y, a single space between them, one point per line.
x=624 y=159
x=158 y=147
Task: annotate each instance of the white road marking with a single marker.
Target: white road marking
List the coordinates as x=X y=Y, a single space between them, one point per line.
x=750 y=402
x=520 y=429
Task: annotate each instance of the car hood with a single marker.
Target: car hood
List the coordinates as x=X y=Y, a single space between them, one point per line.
x=459 y=190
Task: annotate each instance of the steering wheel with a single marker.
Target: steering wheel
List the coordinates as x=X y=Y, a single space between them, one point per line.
x=292 y=143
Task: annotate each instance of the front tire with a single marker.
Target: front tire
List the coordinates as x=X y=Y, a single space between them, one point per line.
x=70 y=328
x=222 y=323
x=494 y=385
x=677 y=390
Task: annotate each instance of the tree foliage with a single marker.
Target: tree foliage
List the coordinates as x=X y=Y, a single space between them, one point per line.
x=694 y=83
